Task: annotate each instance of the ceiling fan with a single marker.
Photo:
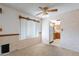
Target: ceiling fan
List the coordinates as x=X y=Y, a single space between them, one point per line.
x=45 y=10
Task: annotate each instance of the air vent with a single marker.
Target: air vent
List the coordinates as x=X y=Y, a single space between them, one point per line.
x=5 y=48
x=0 y=10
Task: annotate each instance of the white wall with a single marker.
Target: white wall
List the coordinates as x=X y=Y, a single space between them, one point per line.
x=11 y=25
x=45 y=31
x=51 y=31
x=9 y=20
x=70 y=33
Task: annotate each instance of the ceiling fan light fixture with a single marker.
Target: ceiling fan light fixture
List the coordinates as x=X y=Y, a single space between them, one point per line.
x=45 y=16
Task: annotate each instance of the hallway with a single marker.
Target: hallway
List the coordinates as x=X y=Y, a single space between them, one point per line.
x=43 y=50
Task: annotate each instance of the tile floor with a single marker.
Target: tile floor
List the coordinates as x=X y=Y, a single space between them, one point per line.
x=43 y=50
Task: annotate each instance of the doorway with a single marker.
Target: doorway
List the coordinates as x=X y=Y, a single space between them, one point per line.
x=55 y=32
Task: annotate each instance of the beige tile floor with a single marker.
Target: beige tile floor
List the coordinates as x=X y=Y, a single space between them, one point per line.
x=43 y=50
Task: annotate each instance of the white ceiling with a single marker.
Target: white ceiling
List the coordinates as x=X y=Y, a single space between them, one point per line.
x=32 y=8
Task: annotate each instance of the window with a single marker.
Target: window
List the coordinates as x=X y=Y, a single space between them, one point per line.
x=29 y=29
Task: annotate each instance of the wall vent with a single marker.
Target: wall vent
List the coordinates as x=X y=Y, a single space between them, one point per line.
x=0 y=10
x=4 y=48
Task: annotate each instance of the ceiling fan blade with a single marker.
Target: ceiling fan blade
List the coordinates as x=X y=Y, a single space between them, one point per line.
x=41 y=8
x=52 y=10
x=39 y=13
